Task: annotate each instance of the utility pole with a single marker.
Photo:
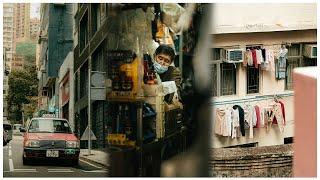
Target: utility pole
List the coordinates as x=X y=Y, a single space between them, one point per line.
x=89 y=107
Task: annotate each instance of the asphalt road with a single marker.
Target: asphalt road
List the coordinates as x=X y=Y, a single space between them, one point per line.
x=13 y=166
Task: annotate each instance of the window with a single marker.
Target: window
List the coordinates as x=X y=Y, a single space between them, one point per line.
x=294 y=60
x=223 y=75
x=97 y=61
x=95 y=17
x=84 y=80
x=214 y=79
x=83 y=32
x=76 y=86
x=49 y=126
x=228 y=79
x=252 y=79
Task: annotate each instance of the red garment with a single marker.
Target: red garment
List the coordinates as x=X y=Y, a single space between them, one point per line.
x=254 y=57
x=283 y=114
x=258 y=116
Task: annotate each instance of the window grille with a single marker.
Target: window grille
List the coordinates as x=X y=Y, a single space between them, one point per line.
x=223 y=75
x=228 y=79
x=253 y=79
x=294 y=60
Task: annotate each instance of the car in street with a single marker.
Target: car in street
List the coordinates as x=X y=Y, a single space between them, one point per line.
x=50 y=139
x=5 y=137
x=16 y=129
x=7 y=132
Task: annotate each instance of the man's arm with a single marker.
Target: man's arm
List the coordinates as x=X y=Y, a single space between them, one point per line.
x=177 y=78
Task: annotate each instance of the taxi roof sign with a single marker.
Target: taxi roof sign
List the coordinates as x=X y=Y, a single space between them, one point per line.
x=48 y=115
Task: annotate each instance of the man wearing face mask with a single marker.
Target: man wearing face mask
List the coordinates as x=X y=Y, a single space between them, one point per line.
x=163 y=58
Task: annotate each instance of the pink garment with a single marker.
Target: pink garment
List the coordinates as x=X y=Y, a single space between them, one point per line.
x=254 y=57
x=258 y=116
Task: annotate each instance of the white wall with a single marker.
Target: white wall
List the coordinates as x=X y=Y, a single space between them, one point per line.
x=262 y=17
x=268 y=85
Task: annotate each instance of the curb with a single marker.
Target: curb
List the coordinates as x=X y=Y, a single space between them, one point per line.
x=91 y=161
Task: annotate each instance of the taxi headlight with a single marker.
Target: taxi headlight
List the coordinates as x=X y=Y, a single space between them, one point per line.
x=72 y=144
x=32 y=143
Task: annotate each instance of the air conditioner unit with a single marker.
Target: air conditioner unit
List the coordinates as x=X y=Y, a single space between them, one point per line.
x=232 y=55
x=310 y=50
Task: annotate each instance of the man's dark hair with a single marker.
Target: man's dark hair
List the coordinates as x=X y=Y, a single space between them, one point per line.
x=167 y=50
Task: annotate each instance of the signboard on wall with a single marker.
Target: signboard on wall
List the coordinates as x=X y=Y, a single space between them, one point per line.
x=98 y=86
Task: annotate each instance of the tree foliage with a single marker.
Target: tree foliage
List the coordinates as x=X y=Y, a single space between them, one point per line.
x=23 y=86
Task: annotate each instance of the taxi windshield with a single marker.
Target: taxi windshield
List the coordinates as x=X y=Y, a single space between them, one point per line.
x=49 y=126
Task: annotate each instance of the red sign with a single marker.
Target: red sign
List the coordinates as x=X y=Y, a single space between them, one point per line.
x=65 y=89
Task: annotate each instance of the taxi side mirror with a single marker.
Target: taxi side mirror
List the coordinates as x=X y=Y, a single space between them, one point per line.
x=22 y=130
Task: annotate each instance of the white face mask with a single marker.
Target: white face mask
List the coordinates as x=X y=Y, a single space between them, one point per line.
x=158 y=68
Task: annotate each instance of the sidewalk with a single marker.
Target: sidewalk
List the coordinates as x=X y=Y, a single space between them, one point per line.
x=99 y=156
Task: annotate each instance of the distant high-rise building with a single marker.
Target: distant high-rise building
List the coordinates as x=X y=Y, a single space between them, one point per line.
x=8 y=49
x=22 y=21
x=34 y=28
x=8 y=33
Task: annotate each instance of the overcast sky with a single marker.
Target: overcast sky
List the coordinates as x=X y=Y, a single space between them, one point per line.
x=35 y=10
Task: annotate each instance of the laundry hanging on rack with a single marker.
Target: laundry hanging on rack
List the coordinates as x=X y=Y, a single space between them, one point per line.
x=255 y=57
x=250 y=119
x=223 y=122
x=258 y=116
x=283 y=114
x=219 y=120
x=259 y=56
x=281 y=63
x=233 y=122
x=263 y=53
x=248 y=58
x=241 y=119
x=262 y=117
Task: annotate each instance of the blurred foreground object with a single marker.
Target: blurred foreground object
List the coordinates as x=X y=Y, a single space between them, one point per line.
x=305 y=108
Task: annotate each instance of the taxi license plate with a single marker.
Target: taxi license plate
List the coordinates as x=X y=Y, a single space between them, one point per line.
x=52 y=153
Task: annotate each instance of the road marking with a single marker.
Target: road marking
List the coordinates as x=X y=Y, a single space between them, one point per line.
x=60 y=170
x=96 y=171
x=25 y=170
x=90 y=164
x=10 y=153
x=11 y=165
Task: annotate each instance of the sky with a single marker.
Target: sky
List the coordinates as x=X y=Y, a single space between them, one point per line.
x=35 y=10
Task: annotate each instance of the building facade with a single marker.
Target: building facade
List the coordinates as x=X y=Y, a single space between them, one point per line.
x=235 y=83
x=55 y=42
x=8 y=32
x=98 y=29
x=8 y=48
x=22 y=21
x=34 y=28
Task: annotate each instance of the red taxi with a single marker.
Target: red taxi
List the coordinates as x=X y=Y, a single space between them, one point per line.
x=50 y=138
